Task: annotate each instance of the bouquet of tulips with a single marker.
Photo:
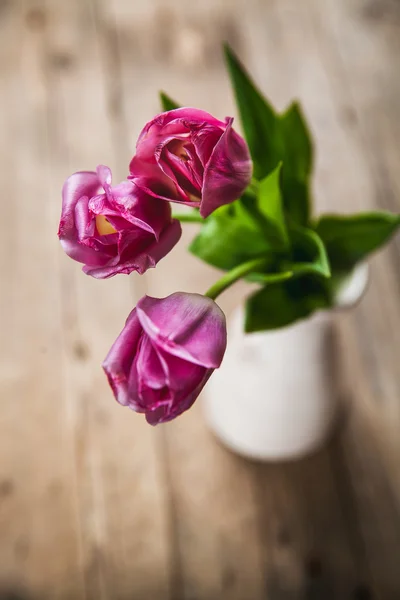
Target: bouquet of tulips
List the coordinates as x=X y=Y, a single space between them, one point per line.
x=252 y=199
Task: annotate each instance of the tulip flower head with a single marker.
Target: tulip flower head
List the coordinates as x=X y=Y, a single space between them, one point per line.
x=190 y=157
x=114 y=229
x=165 y=354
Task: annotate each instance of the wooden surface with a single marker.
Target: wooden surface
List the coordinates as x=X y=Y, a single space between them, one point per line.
x=94 y=503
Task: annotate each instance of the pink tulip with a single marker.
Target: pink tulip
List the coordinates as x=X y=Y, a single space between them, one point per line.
x=165 y=354
x=190 y=157
x=116 y=229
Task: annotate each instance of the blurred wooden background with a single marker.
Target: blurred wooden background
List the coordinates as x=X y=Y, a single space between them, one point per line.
x=94 y=503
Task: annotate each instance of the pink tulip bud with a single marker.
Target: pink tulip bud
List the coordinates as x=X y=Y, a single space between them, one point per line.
x=116 y=229
x=165 y=354
x=190 y=157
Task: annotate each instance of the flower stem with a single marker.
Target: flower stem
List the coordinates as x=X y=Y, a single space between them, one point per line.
x=188 y=218
x=234 y=275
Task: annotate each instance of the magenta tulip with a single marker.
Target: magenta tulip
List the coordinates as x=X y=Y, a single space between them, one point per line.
x=114 y=229
x=190 y=157
x=165 y=354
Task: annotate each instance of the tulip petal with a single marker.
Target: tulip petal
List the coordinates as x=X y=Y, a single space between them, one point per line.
x=150 y=372
x=184 y=379
x=181 y=174
x=163 y=414
x=148 y=377
x=83 y=220
x=169 y=238
x=81 y=253
x=205 y=140
x=83 y=183
x=171 y=123
x=227 y=173
x=133 y=259
x=118 y=362
x=157 y=416
x=189 y=326
x=105 y=177
x=191 y=116
x=149 y=212
x=180 y=375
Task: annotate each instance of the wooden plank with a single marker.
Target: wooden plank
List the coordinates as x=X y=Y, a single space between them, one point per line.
x=120 y=486
x=308 y=524
x=38 y=523
x=217 y=529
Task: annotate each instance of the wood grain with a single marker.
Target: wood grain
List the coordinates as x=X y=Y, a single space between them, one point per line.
x=93 y=502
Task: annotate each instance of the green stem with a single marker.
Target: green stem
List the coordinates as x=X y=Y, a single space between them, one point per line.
x=188 y=218
x=232 y=276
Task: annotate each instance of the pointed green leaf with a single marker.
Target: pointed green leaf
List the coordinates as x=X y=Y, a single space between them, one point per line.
x=298 y=162
x=167 y=103
x=351 y=238
x=230 y=237
x=270 y=204
x=274 y=138
x=308 y=253
x=247 y=210
x=259 y=121
x=284 y=303
x=298 y=146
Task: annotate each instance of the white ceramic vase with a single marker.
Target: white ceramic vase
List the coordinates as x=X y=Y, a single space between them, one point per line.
x=274 y=396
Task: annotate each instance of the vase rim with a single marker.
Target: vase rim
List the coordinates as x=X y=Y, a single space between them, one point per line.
x=353 y=288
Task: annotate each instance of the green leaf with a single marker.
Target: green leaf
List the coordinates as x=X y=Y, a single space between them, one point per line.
x=308 y=253
x=284 y=303
x=298 y=162
x=270 y=204
x=230 y=237
x=306 y=256
x=167 y=103
x=245 y=209
x=351 y=238
x=248 y=211
x=274 y=138
x=298 y=146
x=188 y=217
x=259 y=121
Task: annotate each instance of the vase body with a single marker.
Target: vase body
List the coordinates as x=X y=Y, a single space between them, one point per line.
x=274 y=397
